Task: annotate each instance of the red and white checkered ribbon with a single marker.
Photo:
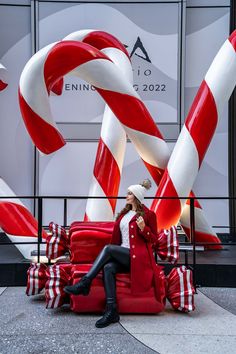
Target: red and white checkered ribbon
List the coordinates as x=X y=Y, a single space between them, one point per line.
x=58 y=278
x=57 y=244
x=167 y=245
x=180 y=290
x=196 y=134
x=36 y=278
x=3 y=77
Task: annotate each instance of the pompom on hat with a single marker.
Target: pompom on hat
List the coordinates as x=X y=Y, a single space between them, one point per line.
x=139 y=190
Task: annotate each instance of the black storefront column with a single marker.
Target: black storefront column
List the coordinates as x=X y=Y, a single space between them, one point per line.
x=232 y=141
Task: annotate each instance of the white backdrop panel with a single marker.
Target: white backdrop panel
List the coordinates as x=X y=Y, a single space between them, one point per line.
x=150 y=32
x=16 y=149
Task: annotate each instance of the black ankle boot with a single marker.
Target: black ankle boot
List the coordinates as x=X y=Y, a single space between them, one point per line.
x=110 y=316
x=82 y=287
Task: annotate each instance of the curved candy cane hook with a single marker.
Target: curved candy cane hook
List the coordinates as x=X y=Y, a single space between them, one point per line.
x=96 y=68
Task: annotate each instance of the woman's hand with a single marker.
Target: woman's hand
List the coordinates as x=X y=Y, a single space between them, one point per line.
x=140 y=222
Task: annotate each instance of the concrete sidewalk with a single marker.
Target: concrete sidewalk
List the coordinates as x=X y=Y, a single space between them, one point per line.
x=27 y=327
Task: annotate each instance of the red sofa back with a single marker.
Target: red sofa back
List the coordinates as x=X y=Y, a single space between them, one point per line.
x=87 y=239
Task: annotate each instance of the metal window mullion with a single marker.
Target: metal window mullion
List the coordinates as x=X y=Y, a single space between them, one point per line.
x=34 y=48
x=181 y=63
x=231 y=141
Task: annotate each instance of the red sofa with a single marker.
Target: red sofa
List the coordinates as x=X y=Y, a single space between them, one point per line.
x=86 y=241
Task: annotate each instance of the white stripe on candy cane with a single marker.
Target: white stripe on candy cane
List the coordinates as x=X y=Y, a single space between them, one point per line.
x=114 y=136
x=98 y=209
x=221 y=76
x=184 y=158
x=121 y=60
x=151 y=149
x=200 y=219
x=33 y=76
x=98 y=72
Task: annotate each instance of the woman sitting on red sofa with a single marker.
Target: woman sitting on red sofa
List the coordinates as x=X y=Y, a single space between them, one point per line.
x=130 y=250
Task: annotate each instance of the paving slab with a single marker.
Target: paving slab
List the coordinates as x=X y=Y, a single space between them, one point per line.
x=26 y=326
x=80 y=343
x=2 y=289
x=224 y=297
x=206 y=330
x=190 y=344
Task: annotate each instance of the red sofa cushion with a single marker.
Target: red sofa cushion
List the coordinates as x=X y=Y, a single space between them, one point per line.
x=127 y=303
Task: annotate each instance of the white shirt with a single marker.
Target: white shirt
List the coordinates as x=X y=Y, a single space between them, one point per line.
x=124 y=228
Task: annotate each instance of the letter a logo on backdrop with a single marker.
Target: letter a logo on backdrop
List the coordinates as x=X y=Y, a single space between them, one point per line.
x=138 y=46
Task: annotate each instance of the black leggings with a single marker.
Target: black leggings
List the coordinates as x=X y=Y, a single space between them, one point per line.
x=112 y=259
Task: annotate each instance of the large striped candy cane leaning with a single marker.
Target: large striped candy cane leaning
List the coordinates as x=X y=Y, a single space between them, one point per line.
x=197 y=133
x=146 y=143
x=115 y=142
x=17 y=221
x=3 y=77
x=90 y=64
x=111 y=147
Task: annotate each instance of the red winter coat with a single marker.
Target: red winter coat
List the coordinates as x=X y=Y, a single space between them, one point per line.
x=143 y=266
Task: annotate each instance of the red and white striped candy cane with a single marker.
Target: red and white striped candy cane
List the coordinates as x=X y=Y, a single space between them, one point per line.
x=108 y=44
x=96 y=68
x=196 y=134
x=146 y=137
x=17 y=221
x=203 y=231
x=3 y=77
x=112 y=143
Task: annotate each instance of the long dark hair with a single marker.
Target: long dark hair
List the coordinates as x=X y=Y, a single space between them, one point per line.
x=128 y=207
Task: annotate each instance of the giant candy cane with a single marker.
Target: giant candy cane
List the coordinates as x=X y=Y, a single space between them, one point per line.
x=3 y=77
x=115 y=142
x=197 y=133
x=145 y=143
x=111 y=147
x=17 y=221
x=85 y=61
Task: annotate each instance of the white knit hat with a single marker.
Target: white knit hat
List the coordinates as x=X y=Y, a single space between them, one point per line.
x=139 y=190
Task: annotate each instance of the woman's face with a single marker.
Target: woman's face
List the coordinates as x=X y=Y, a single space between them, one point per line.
x=130 y=198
